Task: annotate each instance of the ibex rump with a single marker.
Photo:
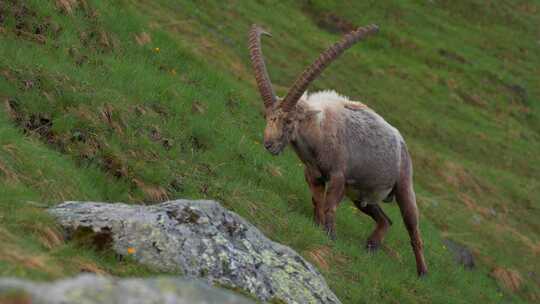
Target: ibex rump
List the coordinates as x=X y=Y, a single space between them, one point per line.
x=347 y=148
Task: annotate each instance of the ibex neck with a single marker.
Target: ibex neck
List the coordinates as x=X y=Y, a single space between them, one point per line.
x=306 y=137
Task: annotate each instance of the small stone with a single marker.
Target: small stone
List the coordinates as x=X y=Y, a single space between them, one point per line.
x=462 y=254
x=476 y=219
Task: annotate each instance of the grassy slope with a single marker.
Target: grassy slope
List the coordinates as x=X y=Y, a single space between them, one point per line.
x=108 y=119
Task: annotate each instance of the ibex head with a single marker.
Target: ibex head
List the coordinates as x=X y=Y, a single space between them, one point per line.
x=282 y=115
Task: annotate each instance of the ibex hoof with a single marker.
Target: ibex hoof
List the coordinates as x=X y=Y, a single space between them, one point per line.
x=372 y=246
x=331 y=234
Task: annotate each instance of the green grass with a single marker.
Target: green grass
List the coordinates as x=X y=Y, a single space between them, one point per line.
x=92 y=115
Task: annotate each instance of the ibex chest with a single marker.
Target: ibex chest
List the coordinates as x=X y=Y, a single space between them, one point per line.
x=306 y=152
x=315 y=159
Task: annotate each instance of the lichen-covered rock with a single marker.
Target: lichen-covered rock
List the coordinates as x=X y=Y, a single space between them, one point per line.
x=92 y=289
x=202 y=239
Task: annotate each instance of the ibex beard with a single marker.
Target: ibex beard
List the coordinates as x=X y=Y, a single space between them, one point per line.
x=347 y=149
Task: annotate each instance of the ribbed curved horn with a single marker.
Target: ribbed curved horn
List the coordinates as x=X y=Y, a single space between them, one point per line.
x=261 y=74
x=313 y=71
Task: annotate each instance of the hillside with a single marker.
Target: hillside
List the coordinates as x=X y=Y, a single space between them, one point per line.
x=142 y=101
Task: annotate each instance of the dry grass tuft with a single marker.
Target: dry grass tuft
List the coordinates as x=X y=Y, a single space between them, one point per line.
x=5 y=236
x=530 y=244
x=473 y=99
x=9 y=107
x=108 y=116
x=320 y=256
x=198 y=108
x=458 y=177
x=106 y=40
x=143 y=38
x=324 y=256
x=472 y=205
x=154 y=194
x=115 y=165
x=275 y=171
x=510 y=279
x=10 y=177
x=16 y=255
x=90 y=267
x=50 y=237
x=69 y=6
x=392 y=253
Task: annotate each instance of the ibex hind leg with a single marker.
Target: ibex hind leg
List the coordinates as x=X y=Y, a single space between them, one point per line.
x=381 y=219
x=406 y=200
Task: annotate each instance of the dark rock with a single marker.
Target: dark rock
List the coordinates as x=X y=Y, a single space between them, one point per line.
x=520 y=93
x=535 y=277
x=462 y=254
x=453 y=56
x=335 y=23
x=202 y=239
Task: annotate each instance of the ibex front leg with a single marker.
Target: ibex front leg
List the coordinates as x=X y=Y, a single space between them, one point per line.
x=334 y=194
x=317 y=187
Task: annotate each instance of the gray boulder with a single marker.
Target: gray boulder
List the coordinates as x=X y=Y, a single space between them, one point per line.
x=92 y=289
x=201 y=239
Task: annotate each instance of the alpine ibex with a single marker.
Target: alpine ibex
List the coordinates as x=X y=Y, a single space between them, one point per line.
x=347 y=148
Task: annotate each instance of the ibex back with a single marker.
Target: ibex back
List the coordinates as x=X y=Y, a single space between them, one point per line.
x=347 y=148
